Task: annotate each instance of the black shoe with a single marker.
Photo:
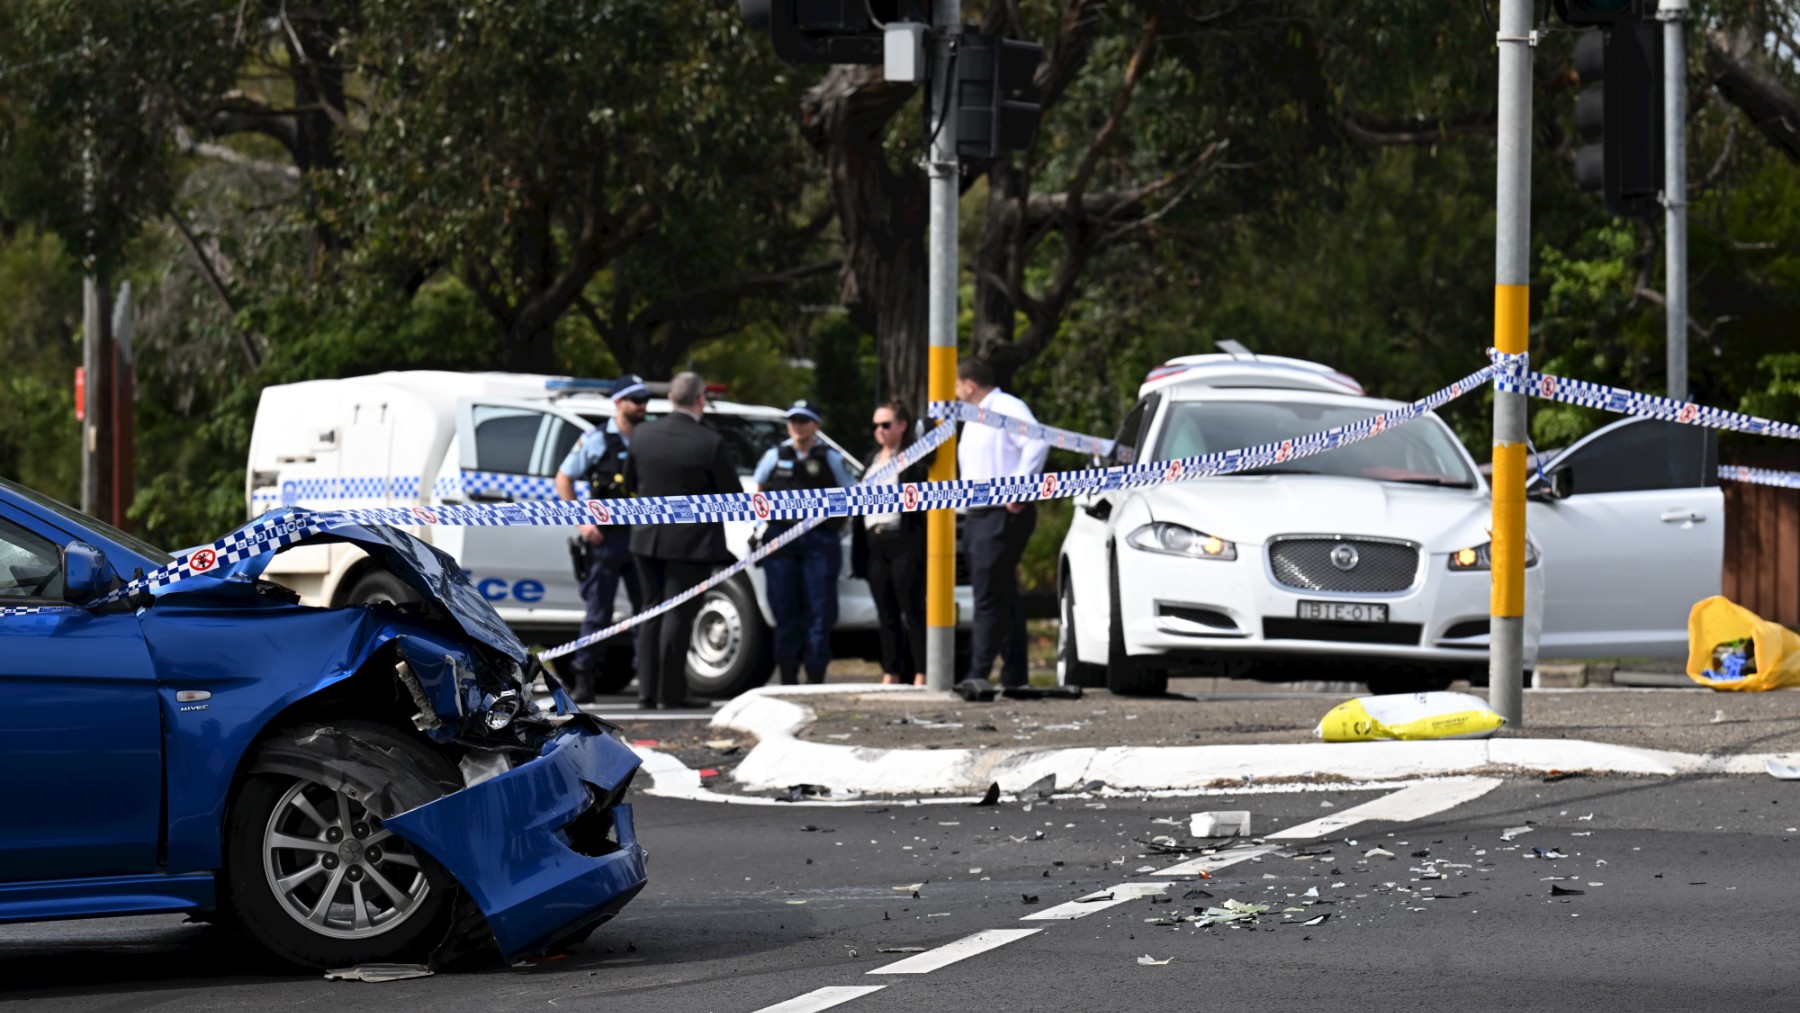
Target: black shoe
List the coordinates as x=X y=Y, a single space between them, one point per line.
x=690 y=704
x=790 y=675
x=646 y=705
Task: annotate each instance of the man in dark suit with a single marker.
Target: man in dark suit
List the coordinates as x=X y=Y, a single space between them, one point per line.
x=676 y=456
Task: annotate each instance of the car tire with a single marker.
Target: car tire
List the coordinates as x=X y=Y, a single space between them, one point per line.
x=1125 y=675
x=729 y=649
x=380 y=586
x=616 y=670
x=1070 y=670
x=288 y=796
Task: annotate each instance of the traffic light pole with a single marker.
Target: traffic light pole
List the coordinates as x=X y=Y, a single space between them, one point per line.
x=945 y=187
x=1672 y=13
x=1512 y=308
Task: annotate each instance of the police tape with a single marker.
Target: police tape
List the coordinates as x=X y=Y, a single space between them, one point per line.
x=1062 y=439
x=275 y=531
x=1513 y=375
x=925 y=444
x=1760 y=476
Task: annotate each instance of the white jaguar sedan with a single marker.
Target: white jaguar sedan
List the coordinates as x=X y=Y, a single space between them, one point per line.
x=1369 y=562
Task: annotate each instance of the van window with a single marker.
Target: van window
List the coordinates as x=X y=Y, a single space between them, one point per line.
x=504 y=438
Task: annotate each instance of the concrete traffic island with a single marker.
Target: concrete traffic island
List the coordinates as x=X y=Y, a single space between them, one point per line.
x=903 y=741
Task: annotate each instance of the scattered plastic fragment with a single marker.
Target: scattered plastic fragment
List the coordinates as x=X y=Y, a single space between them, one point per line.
x=900 y=949
x=1146 y=868
x=1220 y=823
x=1409 y=717
x=1548 y=853
x=802 y=792
x=1783 y=771
x=1511 y=832
x=1378 y=853
x=1320 y=920
x=992 y=797
x=1029 y=898
x=796 y=902
x=1043 y=787
x=379 y=972
x=1565 y=891
x=1148 y=961
x=1311 y=892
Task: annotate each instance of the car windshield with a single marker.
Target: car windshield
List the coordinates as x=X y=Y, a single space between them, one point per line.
x=1423 y=452
x=80 y=519
x=750 y=436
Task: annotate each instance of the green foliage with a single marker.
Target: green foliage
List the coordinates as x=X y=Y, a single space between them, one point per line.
x=40 y=319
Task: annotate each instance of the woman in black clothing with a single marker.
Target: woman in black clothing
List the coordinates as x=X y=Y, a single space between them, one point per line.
x=888 y=550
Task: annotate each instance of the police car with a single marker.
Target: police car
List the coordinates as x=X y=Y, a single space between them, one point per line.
x=422 y=438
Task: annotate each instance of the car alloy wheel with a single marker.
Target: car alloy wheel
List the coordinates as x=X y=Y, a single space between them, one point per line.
x=718 y=638
x=335 y=869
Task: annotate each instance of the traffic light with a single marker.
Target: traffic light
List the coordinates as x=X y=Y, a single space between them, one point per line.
x=996 y=95
x=1619 y=112
x=829 y=31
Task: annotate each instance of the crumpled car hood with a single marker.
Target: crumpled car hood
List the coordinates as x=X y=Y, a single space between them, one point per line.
x=424 y=568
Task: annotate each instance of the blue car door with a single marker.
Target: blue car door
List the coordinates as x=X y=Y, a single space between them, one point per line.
x=80 y=732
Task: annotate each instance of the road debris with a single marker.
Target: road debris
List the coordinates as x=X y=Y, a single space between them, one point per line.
x=1148 y=961
x=1511 y=832
x=991 y=797
x=1378 y=853
x=1220 y=823
x=900 y=949
x=1409 y=717
x=1565 y=891
x=379 y=972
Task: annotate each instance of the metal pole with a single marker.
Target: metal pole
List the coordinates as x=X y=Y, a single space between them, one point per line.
x=124 y=400
x=94 y=368
x=1672 y=13
x=942 y=170
x=1512 y=309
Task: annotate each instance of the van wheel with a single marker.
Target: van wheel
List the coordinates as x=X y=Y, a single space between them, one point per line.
x=1070 y=669
x=1125 y=675
x=380 y=586
x=729 y=652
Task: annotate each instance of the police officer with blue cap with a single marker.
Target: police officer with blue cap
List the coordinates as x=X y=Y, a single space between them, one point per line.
x=599 y=458
x=803 y=576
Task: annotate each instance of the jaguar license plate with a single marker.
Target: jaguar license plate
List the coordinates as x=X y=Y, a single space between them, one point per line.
x=1344 y=611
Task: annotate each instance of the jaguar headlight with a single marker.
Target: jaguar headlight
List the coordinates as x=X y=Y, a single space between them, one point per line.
x=1481 y=557
x=1180 y=540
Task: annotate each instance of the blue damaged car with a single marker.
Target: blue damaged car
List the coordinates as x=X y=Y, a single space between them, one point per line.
x=370 y=783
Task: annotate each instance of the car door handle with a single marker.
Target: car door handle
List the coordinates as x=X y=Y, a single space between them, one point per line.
x=1099 y=509
x=490 y=496
x=1682 y=517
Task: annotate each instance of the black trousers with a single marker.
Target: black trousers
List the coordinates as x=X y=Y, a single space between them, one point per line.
x=897 y=583
x=997 y=539
x=663 y=645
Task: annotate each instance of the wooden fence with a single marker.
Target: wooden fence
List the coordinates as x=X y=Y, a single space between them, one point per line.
x=1762 y=539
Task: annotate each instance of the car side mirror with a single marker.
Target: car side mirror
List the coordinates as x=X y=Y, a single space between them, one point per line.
x=85 y=572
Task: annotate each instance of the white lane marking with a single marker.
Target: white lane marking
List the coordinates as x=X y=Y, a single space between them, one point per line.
x=1098 y=901
x=1209 y=863
x=950 y=953
x=821 y=998
x=1416 y=802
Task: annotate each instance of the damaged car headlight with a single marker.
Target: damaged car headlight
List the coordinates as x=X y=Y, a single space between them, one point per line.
x=501 y=710
x=1180 y=540
x=1480 y=557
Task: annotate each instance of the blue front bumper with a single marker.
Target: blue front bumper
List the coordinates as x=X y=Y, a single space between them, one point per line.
x=538 y=847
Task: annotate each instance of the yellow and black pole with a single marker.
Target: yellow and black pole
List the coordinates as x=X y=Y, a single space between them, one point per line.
x=945 y=188
x=1512 y=318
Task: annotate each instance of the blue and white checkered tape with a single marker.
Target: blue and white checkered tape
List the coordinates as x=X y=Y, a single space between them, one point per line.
x=303 y=491
x=1760 y=476
x=1513 y=375
x=868 y=498
x=1062 y=439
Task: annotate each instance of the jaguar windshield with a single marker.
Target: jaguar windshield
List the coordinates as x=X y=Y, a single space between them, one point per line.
x=1422 y=452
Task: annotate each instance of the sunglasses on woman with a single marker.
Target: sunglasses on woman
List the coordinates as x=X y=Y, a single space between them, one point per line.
x=886 y=425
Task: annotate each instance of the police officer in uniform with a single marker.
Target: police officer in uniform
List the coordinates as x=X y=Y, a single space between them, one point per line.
x=803 y=576
x=603 y=555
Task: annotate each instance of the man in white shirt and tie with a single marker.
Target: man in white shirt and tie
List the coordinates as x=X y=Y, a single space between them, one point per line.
x=996 y=536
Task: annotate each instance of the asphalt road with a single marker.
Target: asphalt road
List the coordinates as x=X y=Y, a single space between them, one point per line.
x=1686 y=904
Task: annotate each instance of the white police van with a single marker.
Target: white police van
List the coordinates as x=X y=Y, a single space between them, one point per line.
x=422 y=438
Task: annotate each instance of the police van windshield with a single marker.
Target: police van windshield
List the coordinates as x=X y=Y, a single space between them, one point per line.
x=750 y=436
x=1422 y=452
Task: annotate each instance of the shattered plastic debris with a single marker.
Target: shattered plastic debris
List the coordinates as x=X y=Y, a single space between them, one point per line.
x=1148 y=961
x=1563 y=891
x=1782 y=771
x=1511 y=832
x=1043 y=787
x=802 y=792
x=379 y=972
x=1220 y=823
x=1548 y=853
x=900 y=949
x=1320 y=920
x=992 y=796
x=1378 y=853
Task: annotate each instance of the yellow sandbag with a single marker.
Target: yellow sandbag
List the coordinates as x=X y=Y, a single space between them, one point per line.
x=1409 y=717
x=1718 y=620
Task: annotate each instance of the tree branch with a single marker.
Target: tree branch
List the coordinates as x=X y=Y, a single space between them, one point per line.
x=211 y=273
x=1429 y=130
x=1770 y=106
